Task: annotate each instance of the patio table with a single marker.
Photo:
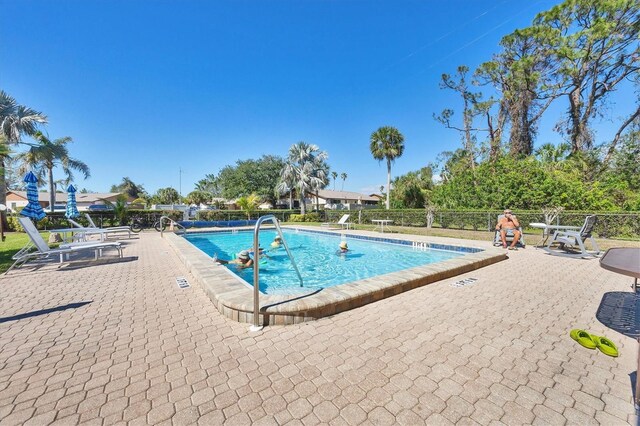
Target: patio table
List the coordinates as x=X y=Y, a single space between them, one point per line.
x=381 y=223
x=625 y=261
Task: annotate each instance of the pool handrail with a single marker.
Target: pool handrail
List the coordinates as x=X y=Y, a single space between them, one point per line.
x=256 y=250
x=171 y=222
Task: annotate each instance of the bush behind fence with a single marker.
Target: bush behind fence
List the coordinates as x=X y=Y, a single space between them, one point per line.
x=609 y=225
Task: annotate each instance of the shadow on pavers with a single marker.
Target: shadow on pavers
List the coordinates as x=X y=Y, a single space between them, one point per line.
x=620 y=311
x=44 y=311
x=102 y=261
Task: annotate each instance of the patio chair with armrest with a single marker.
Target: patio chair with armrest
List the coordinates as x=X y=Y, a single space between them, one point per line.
x=43 y=250
x=341 y=224
x=568 y=239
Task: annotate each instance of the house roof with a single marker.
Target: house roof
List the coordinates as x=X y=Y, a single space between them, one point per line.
x=344 y=195
x=61 y=197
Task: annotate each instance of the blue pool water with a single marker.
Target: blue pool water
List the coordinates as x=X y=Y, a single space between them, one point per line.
x=316 y=257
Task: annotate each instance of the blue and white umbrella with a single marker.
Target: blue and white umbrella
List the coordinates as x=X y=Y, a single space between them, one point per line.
x=33 y=208
x=72 y=208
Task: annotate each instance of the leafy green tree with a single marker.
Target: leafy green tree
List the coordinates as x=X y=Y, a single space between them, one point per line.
x=166 y=196
x=249 y=203
x=129 y=187
x=387 y=143
x=47 y=155
x=251 y=176
x=210 y=185
x=413 y=189
x=594 y=46
x=306 y=170
x=334 y=176
x=15 y=120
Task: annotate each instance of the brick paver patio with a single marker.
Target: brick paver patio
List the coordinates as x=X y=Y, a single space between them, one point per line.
x=125 y=344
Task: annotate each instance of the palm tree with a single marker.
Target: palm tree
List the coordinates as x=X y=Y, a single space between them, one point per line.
x=47 y=155
x=550 y=153
x=387 y=143
x=130 y=188
x=248 y=203
x=334 y=175
x=286 y=185
x=15 y=120
x=305 y=170
x=343 y=176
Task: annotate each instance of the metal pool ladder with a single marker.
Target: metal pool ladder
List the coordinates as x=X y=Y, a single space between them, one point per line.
x=256 y=269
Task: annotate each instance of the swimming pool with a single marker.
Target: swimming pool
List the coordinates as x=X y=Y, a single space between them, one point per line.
x=234 y=298
x=316 y=256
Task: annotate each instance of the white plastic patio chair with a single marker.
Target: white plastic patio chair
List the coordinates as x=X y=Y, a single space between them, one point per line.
x=570 y=238
x=43 y=250
x=342 y=223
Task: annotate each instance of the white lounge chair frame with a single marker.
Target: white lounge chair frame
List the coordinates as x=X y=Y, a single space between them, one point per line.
x=43 y=250
x=103 y=232
x=92 y=224
x=342 y=222
x=573 y=238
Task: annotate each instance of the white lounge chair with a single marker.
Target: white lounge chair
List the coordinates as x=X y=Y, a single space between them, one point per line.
x=103 y=232
x=342 y=223
x=92 y=224
x=44 y=251
x=570 y=238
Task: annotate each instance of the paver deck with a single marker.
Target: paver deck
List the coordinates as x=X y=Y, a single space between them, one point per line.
x=144 y=351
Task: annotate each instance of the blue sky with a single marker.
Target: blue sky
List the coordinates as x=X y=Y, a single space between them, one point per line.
x=148 y=87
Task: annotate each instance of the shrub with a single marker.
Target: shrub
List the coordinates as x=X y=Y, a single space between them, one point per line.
x=309 y=217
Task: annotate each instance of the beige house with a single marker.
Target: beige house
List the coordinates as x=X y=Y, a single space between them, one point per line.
x=18 y=199
x=341 y=200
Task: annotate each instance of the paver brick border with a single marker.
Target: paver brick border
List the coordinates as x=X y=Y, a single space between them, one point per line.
x=234 y=299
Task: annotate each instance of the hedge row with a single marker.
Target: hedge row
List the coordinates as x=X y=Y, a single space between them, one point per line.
x=621 y=225
x=610 y=225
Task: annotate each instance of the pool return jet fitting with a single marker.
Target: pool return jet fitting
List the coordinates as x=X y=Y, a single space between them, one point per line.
x=256 y=269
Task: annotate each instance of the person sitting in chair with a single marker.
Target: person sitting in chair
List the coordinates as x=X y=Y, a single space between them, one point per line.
x=508 y=222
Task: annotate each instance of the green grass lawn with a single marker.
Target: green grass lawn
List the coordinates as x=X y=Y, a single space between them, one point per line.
x=532 y=237
x=14 y=242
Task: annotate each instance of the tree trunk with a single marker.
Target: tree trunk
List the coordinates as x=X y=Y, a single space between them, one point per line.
x=291 y=199
x=3 y=193
x=576 y=131
x=52 y=190
x=303 y=207
x=388 y=183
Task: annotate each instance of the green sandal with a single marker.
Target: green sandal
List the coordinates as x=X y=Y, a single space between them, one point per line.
x=606 y=346
x=584 y=338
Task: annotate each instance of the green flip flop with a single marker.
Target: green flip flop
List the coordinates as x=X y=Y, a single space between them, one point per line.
x=584 y=338
x=606 y=346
